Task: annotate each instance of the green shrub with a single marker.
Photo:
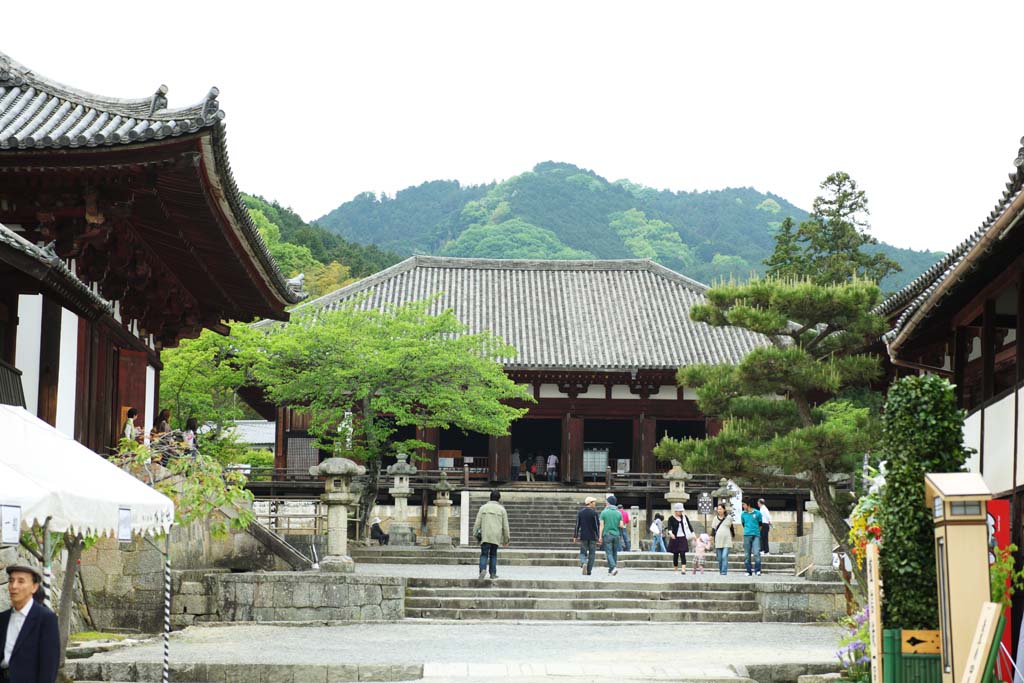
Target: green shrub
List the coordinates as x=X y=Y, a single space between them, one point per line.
x=922 y=432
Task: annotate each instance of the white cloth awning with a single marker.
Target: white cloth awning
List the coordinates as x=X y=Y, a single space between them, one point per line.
x=51 y=476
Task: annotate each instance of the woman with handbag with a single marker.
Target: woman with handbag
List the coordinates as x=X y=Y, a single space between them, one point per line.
x=657 y=528
x=723 y=535
x=679 y=533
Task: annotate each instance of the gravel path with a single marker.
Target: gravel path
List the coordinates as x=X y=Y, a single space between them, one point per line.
x=448 y=643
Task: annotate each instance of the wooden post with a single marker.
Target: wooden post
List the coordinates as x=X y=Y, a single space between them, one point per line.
x=874 y=612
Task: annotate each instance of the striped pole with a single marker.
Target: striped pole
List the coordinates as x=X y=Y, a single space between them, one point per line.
x=167 y=608
x=47 y=565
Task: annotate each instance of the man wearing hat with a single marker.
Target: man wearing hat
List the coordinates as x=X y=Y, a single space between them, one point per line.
x=29 y=638
x=586 y=533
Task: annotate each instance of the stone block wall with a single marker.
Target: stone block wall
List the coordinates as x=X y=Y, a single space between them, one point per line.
x=801 y=601
x=303 y=596
x=124 y=582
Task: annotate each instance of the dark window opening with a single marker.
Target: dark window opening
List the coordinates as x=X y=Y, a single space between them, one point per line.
x=613 y=437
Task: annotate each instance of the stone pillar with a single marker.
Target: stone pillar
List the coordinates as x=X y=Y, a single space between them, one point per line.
x=401 y=532
x=634 y=528
x=822 y=543
x=464 y=518
x=443 y=503
x=677 y=479
x=337 y=497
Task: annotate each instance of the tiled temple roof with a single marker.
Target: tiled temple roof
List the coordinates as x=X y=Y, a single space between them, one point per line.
x=925 y=292
x=600 y=315
x=37 y=113
x=52 y=272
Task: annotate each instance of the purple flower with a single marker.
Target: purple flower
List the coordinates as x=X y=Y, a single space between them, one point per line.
x=863 y=660
x=857 y=645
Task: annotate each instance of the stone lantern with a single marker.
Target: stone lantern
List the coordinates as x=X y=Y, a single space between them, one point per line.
x=822 y=543
x=724 y=493
x=337 y=497
x=677 y=479
x=443 y=503
x=400 y=531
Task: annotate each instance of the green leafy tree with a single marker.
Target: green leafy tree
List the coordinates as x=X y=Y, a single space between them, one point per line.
x=651 y=239
x=777 y=424
x=292 y=259
x=828 y=247
x=360 y=374
x=511 y=239
x=923 y=432
x=201 y=377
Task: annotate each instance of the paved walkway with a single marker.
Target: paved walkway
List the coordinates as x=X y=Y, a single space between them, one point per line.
x=448 y=648
x=541 y=573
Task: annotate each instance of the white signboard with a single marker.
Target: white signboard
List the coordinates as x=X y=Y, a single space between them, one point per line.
x=124 y=524
x=10 y=524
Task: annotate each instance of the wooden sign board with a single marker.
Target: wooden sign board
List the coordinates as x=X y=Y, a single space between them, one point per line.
x=874 y=612
x=919 y=642
x=981 y=643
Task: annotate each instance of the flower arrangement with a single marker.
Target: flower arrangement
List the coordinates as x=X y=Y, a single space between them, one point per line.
x=865 y=525
x=854 y=653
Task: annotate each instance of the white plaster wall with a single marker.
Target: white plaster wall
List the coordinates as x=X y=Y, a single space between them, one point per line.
x=150 y=398
x=67 y=376
x=622 y=391
x=689 y=394
x=594 y=391
x=998 y=461
x=667 y=392
x=550 y=391
x=26 y=359
x=972 y=439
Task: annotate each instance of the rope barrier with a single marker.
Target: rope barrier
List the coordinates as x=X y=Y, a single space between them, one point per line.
x=167 y=609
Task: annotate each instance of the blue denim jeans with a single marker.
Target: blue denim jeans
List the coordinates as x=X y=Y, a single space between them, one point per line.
x=752 y=546
x=489 y=558
x=588 y=554
x=624 y=539
x=658 y=544
x=723 y=560
x=611 y=550
x=551 y=475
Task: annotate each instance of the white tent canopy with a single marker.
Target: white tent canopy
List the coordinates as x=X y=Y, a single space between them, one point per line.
x=49 y=475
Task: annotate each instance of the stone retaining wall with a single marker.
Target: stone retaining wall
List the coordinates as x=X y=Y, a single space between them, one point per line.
x=300 y=596
x=802 y=601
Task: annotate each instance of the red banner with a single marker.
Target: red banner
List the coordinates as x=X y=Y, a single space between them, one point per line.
x=999 y=537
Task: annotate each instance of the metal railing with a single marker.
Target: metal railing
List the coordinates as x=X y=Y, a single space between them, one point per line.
x=11 y=392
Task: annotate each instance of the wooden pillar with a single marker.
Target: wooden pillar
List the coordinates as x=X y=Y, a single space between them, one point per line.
x=431 y=435
x=49 y=361
x=648 y=428
x=499 y=458
x=712 y=426
x=571 y=461
x=988 y=350
x=280 y=443
x=959 y=360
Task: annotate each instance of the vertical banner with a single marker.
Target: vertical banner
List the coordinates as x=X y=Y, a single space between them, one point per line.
x=874 y=612
x=999 y=537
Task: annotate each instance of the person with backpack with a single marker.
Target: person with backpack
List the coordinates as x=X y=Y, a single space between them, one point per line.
x=723 y=535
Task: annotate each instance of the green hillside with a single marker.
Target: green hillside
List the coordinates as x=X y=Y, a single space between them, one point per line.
x=561 y=211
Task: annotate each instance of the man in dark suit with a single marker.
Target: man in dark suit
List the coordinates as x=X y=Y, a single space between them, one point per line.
x=29 y=638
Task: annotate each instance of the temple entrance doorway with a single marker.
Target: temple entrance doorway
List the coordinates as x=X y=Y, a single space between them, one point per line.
x=678 y=429
x=535 y=439
x=607 y=443
x=458 y=449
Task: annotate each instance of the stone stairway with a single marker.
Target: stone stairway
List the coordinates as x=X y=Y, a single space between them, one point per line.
x=538 y=521
x=579 y=601
x=774 y=564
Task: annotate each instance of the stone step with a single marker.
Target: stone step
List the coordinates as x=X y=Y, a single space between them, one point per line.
x=531 y=603
x=710 y=568
x=84 y=670
x=656 y=594
x=583 y=615
x=585 y=584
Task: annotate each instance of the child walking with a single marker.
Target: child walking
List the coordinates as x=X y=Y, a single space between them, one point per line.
x=701 y=547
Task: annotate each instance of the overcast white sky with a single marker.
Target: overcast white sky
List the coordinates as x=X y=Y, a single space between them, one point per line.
x=919 y=102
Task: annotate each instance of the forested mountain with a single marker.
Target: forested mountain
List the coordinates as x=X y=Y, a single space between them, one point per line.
x=327 y=260
x=560 y=211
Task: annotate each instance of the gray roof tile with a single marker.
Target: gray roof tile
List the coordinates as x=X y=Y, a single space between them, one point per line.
x=605 y=315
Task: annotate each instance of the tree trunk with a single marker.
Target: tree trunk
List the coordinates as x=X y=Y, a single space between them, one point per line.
x=836 y=524
x=368 y=497
x=73 y=544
